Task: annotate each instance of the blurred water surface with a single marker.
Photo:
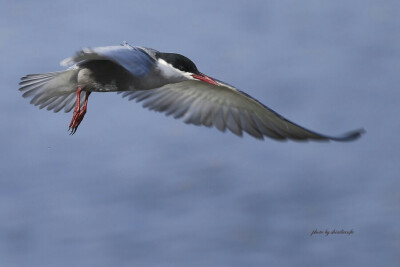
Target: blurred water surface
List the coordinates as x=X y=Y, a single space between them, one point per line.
x=135 y=188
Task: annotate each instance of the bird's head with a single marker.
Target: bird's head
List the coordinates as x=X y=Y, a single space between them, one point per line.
x=186 y=66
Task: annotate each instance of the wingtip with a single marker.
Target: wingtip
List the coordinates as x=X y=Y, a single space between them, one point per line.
x=350 y=136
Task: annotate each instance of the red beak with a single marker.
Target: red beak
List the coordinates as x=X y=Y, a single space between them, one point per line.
x=204 y=78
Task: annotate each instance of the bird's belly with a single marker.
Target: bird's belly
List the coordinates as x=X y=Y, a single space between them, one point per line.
x=106 y=76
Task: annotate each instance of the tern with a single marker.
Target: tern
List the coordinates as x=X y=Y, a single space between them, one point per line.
x=165 y=82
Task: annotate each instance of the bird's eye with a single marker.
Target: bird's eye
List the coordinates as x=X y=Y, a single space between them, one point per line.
x=181 y=67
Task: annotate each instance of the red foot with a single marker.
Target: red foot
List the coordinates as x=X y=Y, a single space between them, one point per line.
x=78 y=112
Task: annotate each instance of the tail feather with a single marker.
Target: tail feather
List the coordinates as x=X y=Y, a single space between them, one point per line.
x=54 y=90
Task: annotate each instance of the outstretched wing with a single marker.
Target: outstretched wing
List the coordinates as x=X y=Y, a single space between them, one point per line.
x=134 y=59
x=224 y=106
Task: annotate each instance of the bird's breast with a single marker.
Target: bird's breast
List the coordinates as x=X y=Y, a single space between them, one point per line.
x=106 y=76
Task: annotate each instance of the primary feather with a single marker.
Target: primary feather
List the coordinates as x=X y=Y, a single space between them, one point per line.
x=225 y=107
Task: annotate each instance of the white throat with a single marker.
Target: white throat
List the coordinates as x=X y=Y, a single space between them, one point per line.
x=170 y=72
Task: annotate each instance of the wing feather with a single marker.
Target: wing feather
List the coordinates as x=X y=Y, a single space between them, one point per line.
x=134 y=59
x=225 y=107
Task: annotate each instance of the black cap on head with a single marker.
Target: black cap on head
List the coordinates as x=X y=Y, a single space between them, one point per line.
x=178 y=61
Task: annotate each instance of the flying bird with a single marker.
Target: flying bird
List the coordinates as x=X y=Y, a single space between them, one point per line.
x=165 y=82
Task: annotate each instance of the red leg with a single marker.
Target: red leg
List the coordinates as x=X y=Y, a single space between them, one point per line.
x=78 y=112
x=77 y=107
